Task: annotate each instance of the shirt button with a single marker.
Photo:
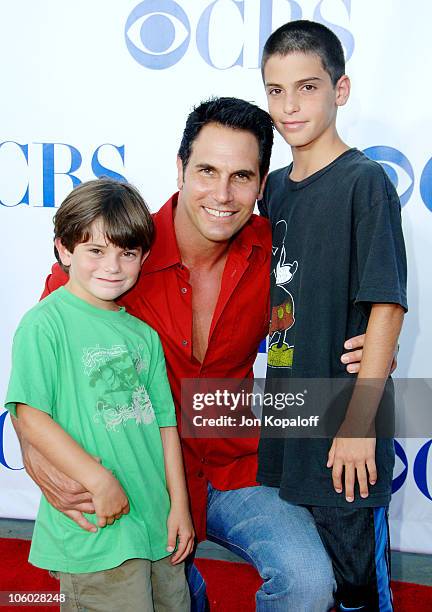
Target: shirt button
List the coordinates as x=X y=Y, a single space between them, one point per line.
x=184 y=342
x=203 y=460
x=200 y=474
x=184 y=289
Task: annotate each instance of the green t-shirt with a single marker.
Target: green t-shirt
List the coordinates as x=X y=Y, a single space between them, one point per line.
x=101 y=376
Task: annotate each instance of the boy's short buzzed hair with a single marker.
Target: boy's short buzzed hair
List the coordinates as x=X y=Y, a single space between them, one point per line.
x=126 y=219
x=303 y=36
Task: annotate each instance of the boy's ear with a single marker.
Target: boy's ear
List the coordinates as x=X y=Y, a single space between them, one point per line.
x=262 y=187
x=64 y=254
x=343 y=88
x=144 y=256
x=179 y=173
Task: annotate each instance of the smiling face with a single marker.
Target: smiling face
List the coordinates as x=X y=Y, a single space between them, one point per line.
x=220 y=184
x=99 y=271
x=301 y=98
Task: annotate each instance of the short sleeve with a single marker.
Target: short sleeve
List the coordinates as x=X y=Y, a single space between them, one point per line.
x=33 y=377
x=381 y=257
x=158 y=387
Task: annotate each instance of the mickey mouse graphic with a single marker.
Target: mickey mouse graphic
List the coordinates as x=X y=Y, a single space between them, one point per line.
x=280 y=353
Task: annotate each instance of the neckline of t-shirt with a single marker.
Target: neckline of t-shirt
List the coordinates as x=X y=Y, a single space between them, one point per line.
x=316 y=175
x=74 y=300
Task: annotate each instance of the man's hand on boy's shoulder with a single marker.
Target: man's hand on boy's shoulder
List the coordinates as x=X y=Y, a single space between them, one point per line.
x=353 y=358
x=63 y=493
x=350 y=458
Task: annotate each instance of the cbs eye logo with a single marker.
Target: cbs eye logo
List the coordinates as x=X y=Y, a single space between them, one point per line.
x=157 y=33
x=398 y=168
x=401 y=173
x=420 y=469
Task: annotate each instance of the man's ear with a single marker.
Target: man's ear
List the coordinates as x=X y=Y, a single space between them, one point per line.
x=262 y=187
x=64 y=254
x=179 y=173
x=343 y=88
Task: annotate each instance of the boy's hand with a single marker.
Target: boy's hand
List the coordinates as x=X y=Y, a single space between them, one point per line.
x=180 y=528
x=109 y=500
x=354 y=357
x=357 y=457
x=62 y=492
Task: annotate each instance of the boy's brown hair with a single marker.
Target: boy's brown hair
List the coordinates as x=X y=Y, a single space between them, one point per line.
x=125 y=217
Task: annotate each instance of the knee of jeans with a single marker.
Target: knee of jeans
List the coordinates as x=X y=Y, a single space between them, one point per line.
x=309 y=582
x=318 y=584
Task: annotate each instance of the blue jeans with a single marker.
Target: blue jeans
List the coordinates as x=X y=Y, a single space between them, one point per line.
x=279 y=539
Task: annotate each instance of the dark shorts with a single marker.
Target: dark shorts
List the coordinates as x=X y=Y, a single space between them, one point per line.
x=357 y=541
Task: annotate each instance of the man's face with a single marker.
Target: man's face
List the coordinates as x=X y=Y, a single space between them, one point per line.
x=301 y=98
x=220 y=184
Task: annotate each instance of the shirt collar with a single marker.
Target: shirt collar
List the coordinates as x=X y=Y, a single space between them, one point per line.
x=250 y=236
x=165 y=252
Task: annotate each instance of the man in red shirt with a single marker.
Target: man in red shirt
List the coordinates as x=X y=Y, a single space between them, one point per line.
x=205 y=289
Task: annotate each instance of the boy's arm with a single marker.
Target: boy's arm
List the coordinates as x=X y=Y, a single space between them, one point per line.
x=179 y=520
x=64 y=493
x=354 y=357
x=60 y=449
x=355 y=455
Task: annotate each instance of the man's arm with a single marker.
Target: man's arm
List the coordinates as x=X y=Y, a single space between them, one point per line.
x=357 y=455
x=67 y=456
x=179 y=520
x=62 y=492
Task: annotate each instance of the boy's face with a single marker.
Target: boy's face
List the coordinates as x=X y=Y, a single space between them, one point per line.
x=99 y=272
x=301 y=98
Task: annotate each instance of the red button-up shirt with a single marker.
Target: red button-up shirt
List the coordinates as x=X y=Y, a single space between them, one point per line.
x=162 y=298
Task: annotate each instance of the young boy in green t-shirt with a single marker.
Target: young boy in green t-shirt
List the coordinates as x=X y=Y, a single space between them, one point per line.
x=338 y=270
x=90 y=391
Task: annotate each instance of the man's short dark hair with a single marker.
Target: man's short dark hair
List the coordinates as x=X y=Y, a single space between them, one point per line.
x=234 y=113
x=125 y=217
x=304 y=36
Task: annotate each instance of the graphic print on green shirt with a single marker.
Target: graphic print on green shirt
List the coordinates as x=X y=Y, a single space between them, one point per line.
x=101 y=376
x=112 y=372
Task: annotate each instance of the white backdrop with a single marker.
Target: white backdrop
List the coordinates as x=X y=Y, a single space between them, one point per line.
x=102 y=87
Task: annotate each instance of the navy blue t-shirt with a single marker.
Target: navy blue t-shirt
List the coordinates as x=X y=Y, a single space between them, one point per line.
x=337 y=248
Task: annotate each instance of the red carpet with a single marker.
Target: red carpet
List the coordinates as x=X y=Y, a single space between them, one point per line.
x=231 y=586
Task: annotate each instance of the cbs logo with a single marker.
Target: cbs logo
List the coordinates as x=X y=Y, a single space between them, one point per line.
x=420 y=469
x=400 y=171
x=158 y=32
